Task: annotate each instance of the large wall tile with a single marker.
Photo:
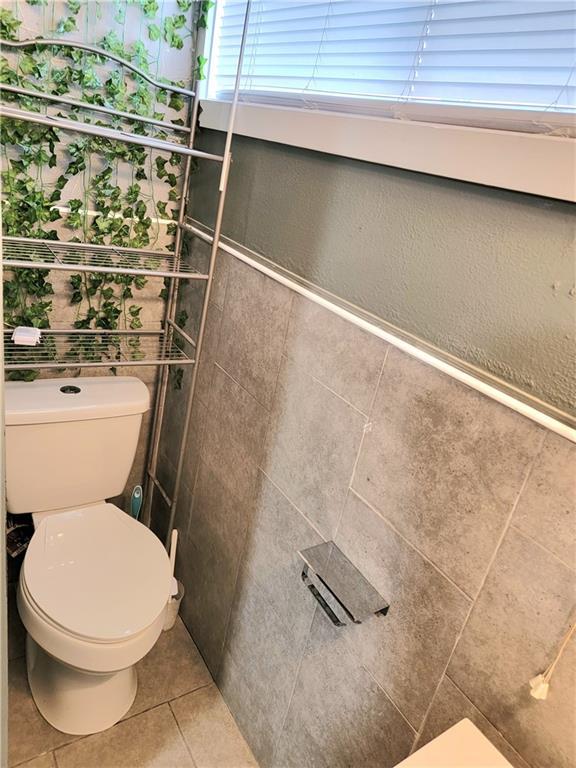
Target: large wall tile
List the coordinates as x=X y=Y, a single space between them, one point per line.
x=271 y=618
x=445 y=465
x=220 y=282
x=277 y=532
x=339 y=717
x=266 y=656
x=547 y=507
x=341 y=355
x=194 y=442
x=408 y=649
x=313 y=441
x=258 y=728
x=514 y=632
x=449 y=707
x=234 y=434
x=216 y=538
x=208 y=354
x=240 y=417
x=172 y=429
x=253 y=328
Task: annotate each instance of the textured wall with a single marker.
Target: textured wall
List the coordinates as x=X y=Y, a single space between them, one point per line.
x=458 y=510
x=484 y=274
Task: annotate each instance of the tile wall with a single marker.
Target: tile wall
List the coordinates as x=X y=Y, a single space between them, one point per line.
x=458 y=510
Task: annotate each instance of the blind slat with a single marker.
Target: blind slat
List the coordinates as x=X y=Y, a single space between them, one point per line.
x=481 y=52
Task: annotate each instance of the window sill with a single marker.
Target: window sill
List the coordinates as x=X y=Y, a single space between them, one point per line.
x=525 y=162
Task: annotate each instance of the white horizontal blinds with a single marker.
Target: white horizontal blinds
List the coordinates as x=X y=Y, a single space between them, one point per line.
x=517 y=54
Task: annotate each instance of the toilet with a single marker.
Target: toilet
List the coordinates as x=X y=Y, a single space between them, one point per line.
x=95 y=583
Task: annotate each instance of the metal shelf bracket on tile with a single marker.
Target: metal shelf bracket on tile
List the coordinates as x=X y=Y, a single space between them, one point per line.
x=348 y=592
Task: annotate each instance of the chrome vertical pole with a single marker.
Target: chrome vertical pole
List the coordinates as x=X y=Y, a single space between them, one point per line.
x=224 y=173
x=169 y=316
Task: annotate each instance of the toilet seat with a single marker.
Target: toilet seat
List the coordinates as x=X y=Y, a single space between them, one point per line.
x=96 y=574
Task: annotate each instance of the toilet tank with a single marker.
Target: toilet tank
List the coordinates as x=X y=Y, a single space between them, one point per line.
x=70 y=442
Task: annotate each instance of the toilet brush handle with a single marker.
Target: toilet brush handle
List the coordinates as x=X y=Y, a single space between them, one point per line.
x=173 y=545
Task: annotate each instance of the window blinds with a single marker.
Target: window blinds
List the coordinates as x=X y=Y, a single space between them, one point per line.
x=361 y=56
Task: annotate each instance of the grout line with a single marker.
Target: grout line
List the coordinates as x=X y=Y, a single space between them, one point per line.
x=35 y=757
x=505 y=529
x=542 y=546
x=488 y=720
x=363 y=414
x=296 y=676
x=181 y=733
x=232 y=601
x=367 y=428
x=238 y=384
x=280 y=362
x=301 y=371
x=289 y=500
x=412 y=545
x=189 y=693
x=390 y=699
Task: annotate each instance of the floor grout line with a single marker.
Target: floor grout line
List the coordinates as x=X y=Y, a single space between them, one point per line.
x=542 y=546
x=181 y=733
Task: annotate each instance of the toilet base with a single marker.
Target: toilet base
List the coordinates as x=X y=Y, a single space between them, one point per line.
x=75 y=701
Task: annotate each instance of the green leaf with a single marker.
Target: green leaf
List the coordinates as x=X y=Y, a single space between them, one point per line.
x=199 y=72
x=154 y=32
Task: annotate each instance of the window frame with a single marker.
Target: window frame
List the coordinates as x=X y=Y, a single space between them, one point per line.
x=530 y=152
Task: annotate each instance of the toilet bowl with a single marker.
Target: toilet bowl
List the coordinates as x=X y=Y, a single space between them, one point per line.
x=92 y=595
x=95 y=583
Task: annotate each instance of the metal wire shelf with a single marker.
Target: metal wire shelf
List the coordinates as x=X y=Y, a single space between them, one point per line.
x=106 y=132
x=95 y=349
x=24 y=253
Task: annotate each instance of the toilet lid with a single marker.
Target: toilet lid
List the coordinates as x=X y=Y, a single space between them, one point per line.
x=97 y=572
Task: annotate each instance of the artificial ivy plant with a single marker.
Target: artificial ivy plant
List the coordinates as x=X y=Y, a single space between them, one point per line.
x=120 y=182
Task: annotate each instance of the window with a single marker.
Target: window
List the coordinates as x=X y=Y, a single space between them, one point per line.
x=499 y=64
x=365 y=57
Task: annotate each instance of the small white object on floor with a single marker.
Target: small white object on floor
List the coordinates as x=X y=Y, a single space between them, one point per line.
x=539 y=687
x=26 y=337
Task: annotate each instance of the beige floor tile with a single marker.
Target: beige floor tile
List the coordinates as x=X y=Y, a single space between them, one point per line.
x=29 y=734
x=149 y=740
x=42 y=761
x=210 y=731
x=171 y=669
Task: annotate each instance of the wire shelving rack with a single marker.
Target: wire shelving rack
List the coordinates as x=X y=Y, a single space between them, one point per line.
x=165 y=347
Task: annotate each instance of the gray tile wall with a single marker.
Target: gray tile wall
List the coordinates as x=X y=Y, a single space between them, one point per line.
x=458 y=510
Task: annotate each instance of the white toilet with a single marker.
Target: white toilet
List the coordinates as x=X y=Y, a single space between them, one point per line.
x=95 y=582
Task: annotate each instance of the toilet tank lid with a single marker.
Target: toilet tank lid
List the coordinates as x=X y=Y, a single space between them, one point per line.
x=47 y=401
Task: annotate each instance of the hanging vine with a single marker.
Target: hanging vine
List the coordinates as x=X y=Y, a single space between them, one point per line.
x=122 y=198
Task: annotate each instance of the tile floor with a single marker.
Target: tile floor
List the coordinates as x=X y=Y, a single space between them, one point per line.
x=178 y=720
